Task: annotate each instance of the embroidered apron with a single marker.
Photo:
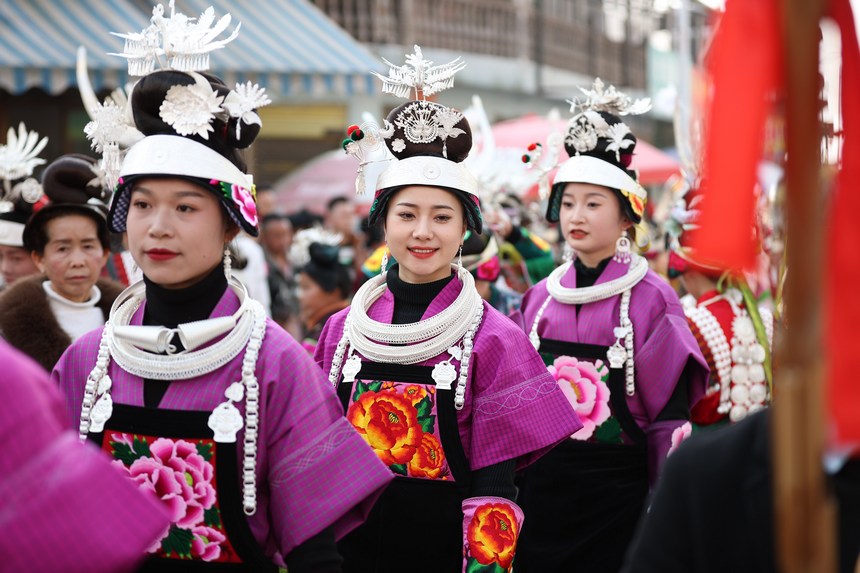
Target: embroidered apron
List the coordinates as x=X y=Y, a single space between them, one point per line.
x=172 y=452
x=412 y=426
x=582 y=500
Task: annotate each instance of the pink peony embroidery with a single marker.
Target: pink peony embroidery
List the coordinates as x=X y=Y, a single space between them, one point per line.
x=180 y=478
x=587 y=393
x=680 y=434
x=206 y=543
x=245 y=201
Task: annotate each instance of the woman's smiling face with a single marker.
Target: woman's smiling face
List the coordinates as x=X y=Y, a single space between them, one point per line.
x=424 y=229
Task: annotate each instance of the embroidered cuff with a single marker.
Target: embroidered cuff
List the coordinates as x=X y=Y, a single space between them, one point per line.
x=491 y=526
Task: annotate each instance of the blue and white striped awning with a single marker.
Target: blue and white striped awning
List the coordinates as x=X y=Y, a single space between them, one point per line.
x=288 y=46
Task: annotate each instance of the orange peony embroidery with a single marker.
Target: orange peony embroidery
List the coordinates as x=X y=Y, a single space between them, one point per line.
x=389 y=424
x=492 y=535
x=429 y=460
x=414 y=393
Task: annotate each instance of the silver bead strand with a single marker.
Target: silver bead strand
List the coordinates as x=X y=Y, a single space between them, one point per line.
x=468 y=344
x=630 y=383
x=93 y=380
x=252 y=412
x=337 y=361
x=534 y=337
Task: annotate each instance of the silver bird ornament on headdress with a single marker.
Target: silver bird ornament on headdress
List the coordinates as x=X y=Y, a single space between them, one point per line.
x=185 y=42
x=420 y=75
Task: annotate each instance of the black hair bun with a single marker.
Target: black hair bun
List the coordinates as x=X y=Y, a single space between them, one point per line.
x=416 y=122
x=73 y=178
x=324 y=255
x=227 y=136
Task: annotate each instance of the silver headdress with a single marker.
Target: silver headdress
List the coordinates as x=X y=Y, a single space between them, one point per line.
x=18 y=158
x=421 y=121
x=176 y=43
x=601 y=146
x=586 y=127
x=300 y=249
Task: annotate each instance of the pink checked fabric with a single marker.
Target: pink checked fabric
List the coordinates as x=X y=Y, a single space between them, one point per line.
x=64 y=508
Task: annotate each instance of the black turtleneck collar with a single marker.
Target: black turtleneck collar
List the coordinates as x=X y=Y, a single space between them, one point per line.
x=587 y=276
x=169 y=307
x=411 y=300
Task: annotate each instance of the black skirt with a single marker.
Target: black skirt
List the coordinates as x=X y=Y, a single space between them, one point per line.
x=581 y=502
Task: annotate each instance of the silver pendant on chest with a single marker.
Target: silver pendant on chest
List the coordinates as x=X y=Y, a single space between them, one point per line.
x=351 y=368
x=445 y=373
x=226 y=420
x=617 y=354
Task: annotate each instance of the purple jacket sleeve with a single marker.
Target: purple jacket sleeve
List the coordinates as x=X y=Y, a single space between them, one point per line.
x=65 y=508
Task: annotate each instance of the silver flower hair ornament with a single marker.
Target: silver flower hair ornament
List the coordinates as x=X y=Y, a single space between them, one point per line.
x=617 y=141
x=99 y=178
x=361 y=141
x=584 y=129
x=420 y=75
x=190 y=109
x=184 y=42
x=241 y=103
x=685 y=211
x=107 y=128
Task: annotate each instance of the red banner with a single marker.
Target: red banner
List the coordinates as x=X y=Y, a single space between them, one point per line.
x=746 y=68
x=842 y=278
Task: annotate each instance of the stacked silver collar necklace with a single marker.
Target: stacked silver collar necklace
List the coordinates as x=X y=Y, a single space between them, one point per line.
x=132 y=348
x=618 y=356
x=414 y=342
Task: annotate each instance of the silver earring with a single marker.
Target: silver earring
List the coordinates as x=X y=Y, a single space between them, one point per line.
x=228 y=264
x=383 y=265
x=567 y=253
x=460 y=260
x=622 y=249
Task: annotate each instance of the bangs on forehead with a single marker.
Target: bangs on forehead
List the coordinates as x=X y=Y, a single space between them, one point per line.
x=419 y=193
x=178 y=185
x=587 y=189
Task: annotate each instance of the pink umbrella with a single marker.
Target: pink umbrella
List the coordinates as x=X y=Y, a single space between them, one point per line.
x=311 y=186
x=654 y=166
x=315 y=183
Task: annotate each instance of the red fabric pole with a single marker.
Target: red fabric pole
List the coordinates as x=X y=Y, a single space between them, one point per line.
x=746 y=68
x=842 y=303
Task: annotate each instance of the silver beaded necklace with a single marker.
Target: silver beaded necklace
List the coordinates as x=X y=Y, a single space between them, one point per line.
x=618 y=355
x=414 y=342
